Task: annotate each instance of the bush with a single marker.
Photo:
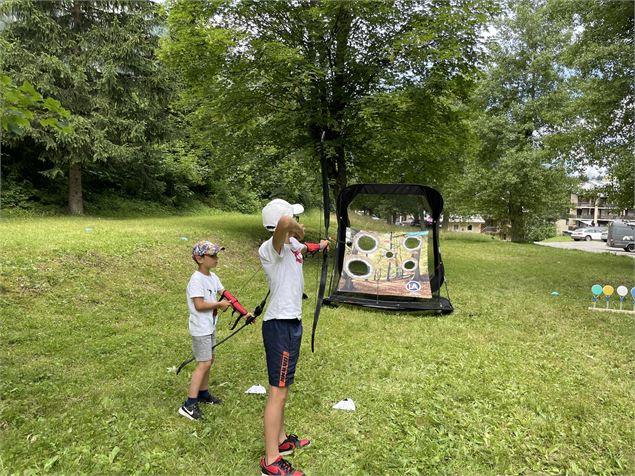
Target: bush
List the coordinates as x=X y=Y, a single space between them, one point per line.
x=538 y=230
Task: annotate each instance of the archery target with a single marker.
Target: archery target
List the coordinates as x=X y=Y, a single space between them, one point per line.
x=386 y=264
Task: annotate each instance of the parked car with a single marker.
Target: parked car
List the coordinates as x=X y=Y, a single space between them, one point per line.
x=620 y=235
x=605 y=236
x=588 y=234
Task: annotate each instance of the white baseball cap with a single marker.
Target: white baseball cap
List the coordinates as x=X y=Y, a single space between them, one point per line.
x=276 y=209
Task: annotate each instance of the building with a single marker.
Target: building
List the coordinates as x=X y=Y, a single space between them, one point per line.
x=474 y=224
x=590 y=208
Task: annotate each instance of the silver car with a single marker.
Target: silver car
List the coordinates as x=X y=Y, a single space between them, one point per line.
x=588 y=234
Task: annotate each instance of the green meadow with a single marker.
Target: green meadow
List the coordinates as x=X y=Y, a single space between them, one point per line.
x=517 y=380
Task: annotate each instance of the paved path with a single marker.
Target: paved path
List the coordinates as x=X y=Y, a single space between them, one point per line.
x=590 y=246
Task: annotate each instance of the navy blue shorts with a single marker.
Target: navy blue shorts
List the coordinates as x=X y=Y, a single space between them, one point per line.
x=282 y=338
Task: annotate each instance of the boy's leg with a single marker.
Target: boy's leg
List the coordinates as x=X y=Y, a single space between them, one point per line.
x=200 y=373
x=274 y=421
x=205 y=380
x=202 y=348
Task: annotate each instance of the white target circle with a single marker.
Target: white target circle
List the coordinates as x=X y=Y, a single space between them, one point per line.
x=411 y=243
x=369 y=244
x=358 y=267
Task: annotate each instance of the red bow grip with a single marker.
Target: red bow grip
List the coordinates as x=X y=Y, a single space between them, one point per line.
x=312 y=247
x=234 y=302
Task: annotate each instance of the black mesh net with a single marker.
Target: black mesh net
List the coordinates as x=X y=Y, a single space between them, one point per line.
x=387 y=253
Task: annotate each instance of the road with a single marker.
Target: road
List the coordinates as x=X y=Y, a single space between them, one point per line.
x=590 y=246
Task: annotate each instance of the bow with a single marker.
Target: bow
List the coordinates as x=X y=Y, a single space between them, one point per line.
x=259 y=308
x=327 y=216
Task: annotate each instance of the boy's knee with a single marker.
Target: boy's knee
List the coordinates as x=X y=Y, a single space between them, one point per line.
x=205 y=364
x=278 y=393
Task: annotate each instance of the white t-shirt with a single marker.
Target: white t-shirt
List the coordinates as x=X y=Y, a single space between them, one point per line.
x=286 y=281
x=202 y=323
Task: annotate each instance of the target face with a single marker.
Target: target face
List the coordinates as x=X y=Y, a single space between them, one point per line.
x=390 y=264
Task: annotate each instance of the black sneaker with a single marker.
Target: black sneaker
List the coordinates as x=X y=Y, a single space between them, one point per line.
x=280 y=467
x=192 y=412
x=210 y=400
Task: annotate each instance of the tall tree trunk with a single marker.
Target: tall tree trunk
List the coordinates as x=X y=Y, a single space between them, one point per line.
x=75 y=199
x=341 y=174
x=341 y=96
x=517 y=222
x=445 y=224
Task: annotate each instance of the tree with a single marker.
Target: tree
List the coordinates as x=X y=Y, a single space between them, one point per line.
x=267 y=78
x=97 y=58
x=601 y=127
x=515 y=176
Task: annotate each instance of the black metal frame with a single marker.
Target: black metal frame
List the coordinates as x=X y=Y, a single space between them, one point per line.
x=435 y=201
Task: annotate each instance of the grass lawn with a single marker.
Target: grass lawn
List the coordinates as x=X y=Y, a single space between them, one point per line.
x=515 y=381
x=559 y=238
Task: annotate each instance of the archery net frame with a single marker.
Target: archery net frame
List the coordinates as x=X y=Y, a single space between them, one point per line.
x=426 y=204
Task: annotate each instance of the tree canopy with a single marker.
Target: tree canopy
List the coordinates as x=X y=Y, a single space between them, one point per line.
x=227 y=102
x=97 y=59
x=269 y=77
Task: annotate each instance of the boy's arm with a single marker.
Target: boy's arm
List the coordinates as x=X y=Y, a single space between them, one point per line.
x=315 y=247
x=285 y=226
x=201 y=305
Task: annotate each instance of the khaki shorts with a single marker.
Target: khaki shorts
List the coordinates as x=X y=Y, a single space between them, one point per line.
x=202 y=347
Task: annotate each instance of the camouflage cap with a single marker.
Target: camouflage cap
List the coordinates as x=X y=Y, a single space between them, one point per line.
x=205 y=247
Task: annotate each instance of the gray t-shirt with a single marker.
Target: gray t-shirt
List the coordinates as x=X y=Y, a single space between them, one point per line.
x=202 y=323
x=286 y=281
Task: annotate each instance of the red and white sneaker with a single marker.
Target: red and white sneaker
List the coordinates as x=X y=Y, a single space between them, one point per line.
x=280 y=467
x=293 y=443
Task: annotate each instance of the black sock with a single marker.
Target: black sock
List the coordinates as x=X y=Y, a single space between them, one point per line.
x=203 y=393
x=190 y=401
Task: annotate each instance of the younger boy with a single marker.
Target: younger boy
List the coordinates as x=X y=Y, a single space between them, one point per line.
x=203 y=306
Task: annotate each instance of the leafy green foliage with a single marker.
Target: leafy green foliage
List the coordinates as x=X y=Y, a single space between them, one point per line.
x=266 y=79
x=97 y=59
x=515 y=381
x=515 y=176
x=22 y=106
x=601 y=129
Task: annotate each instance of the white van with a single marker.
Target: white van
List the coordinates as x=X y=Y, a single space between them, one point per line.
x=621 y=235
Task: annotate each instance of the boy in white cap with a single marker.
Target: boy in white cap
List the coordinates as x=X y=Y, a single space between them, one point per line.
x=282 y=258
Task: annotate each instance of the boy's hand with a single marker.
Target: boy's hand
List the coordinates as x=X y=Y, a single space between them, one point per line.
x=298 y=233
x=250 y=318
x=223 y=305
x=325 y=244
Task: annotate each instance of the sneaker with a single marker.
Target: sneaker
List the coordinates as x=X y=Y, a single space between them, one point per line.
x=192 y=412
x=280 y=467
x=293 y=443
x=210 y=400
